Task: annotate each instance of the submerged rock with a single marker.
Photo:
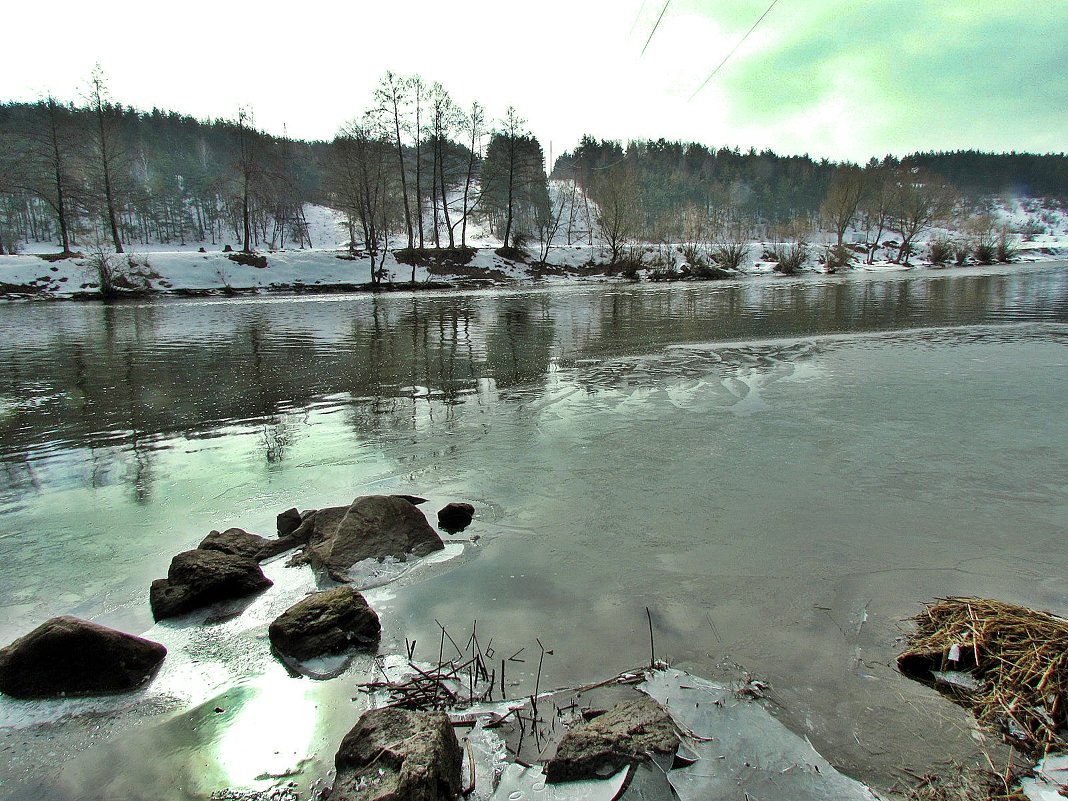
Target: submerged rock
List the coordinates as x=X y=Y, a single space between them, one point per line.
x=234 y=541
x=202 y=577
x=398 y=755
x=68 y=655
x=455 y=517
x=372 y=527
x=325 y=623
x=625 y=734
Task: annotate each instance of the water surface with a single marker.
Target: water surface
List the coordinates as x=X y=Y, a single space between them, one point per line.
x=780 y=470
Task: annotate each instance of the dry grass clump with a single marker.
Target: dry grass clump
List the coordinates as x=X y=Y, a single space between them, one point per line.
x=1018 y=657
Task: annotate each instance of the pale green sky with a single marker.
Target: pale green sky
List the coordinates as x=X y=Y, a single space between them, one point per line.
x=832 y=78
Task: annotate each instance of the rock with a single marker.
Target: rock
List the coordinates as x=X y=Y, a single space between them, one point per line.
x=325 y=623
x=227 y=249
x=398 y=755
x=415 y=500
x=67 y=655
x=623 y=735
x=202 y=577
x=288 y=522
x=234 y=541
x=372 y=527
x=455 y=517
x=299 y=536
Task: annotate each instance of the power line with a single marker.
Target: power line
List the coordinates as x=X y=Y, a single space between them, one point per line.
x=664 y=9
x=733 y=50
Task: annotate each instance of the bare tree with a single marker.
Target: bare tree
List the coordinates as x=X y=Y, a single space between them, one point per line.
x=513 y=178
x=248 y=166
x=549 y=218
x=615 y=192
x=416 y=91
x=475 y=124
x=359 y=186
x=445 y=119
x=844 y=194
x=878 y=204
x=106 y=145
x=391 y=96
x=922 y=201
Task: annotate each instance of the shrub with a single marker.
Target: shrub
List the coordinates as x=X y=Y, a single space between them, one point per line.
x=731 y=255
x=940 y=250
x=1006 y=249
x=961 y=251
x=984 y=252
x=837 y=258
x=790 y=257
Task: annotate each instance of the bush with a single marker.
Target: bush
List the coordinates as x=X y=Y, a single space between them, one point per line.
x=961 y=251
x=940 y=250
x=837 y=258
x=984 y=252
x=790 y=257
x=731 y=255
x=1006 y=249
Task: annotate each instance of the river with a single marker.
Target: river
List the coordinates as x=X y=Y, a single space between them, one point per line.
x=781 y=470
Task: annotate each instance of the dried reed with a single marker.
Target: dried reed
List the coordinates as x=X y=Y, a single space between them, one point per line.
x=1017 y=656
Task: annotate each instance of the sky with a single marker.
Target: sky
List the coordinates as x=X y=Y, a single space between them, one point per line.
x=837 y=79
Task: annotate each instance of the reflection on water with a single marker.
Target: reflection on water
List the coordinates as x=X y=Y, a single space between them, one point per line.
x=781 y=470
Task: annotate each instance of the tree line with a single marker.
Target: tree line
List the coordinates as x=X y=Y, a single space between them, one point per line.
x=715 y=202
x=415 y=169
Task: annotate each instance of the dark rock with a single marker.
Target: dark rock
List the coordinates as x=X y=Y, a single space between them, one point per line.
x=299 y=536
x=372 y=527
x=623 y=735
x=202 y=577
x=325 y=623
x=234 y=541
x=202 y=250
x=288 y=522
x=227 y=249
x=67 y=655
x=415 y=500
x=398 y=755
x=455 y=517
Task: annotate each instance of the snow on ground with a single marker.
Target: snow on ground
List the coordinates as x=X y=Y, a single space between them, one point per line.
x=182 y=268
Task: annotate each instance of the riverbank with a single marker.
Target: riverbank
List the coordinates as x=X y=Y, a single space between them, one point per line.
x=186 y=273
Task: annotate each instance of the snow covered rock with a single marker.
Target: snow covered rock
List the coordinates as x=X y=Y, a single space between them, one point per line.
x=398 y=755
x=68 y=655
x=202 y=577
x=327 y=622
x=627 y=733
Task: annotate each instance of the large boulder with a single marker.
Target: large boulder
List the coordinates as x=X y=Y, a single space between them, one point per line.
x=235 y=541
x=398 y=755
x=66 y=655
x=624 y=735
x=327 y=622
x=372 y=527
x=202 y=577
